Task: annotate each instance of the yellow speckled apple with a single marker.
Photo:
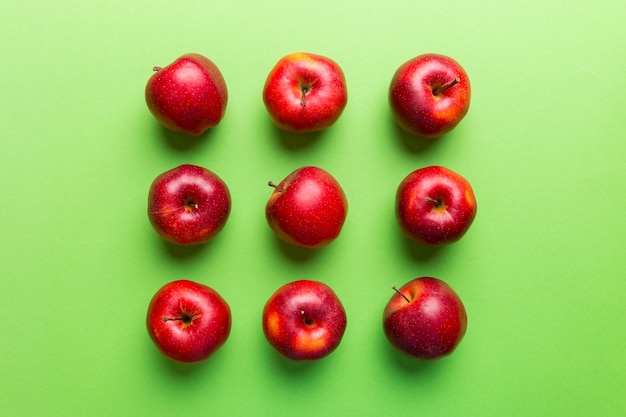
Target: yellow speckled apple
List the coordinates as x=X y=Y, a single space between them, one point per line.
x=429 y=95
x=435 y=206
x=187 y=96
x=305 y=92
x=304 y=320
x=308 y=208
x=425 y=319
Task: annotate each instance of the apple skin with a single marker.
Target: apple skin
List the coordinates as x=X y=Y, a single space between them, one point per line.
x=304 y=320
x=188 y=321
x=308 y=208
x=305 y=92
x=428 y=326
x=187 y=96
x=419 y=100
x=188 y=205
x=435 y=206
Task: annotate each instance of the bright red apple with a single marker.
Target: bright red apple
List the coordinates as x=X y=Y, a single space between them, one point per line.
x=188 y=321
x=188 y=205
x=308 y=208
x=305 y=92
x=425 y=319
x=429 y=95
x=304 y=320
x=187 y=96
x=435 y=206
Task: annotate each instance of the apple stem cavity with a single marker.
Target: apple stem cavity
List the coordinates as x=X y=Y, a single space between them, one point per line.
x=155 y=69
x=400 y=292
x=307 y=319
x=304 y=91
x=440 y=89
x=278 y=187
x=191 y=205
x=437 y=203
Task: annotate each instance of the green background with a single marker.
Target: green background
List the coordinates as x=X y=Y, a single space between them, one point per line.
x=541 y=271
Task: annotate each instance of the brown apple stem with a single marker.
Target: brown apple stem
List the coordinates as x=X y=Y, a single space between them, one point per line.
x=303 y=97
x=186 y=318
x=278 y=187
x=437 y=203
x=155 y=69
x=444 y=87
x=399 y=292
x=172 y=319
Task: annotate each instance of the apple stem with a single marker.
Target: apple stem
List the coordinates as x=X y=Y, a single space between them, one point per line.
x=399 y=292
x=278 y=187
x=155 y=69
x=172 y=319
x=303 y=97
x=437 y=203
x=444 y=87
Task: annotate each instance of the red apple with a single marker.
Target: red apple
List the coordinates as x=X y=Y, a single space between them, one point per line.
x=308 y=208
x=188 y=321
x=188 y=205
x=304 y=320
x=425 y=319
x=435 y=206
x=305 y=93
x=187 y=96
x=429 y=95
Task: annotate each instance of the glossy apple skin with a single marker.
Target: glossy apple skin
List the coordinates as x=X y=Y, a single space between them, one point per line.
x=323 y=84
x=435 y=206
x=308 y=208
x=188 y=205
x=188 y=321
x=304 y=320
x=428 y=326
x=187 y=96
x=415 y=103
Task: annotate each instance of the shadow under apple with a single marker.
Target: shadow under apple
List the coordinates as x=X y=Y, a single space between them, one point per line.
x=421 y=252
x=184 y=252
x=416 y=250
x=293 y=368
x=295 y=253
x=183 y=371
x=182 y=142
x=406 y=363
x=411 y=143
x=296 y=141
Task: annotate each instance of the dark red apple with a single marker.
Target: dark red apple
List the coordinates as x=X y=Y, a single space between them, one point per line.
x=188 y=205
x=305 y=92
x=435 y=206
x=425 y=319
x=308 y=208
x=429 y=95
x=187 y=96
x=188 y=321
x=304 y=320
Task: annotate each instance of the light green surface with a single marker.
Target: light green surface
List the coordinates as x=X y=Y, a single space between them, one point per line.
x=541 y=271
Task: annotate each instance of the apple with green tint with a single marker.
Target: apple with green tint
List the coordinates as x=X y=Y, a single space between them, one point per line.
x=188 y=321
x=425 y=319
x=435 y=206
x=308 y=208
x=305 y=92
x=429 y=95
x=187 y=96
x=304 y=320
